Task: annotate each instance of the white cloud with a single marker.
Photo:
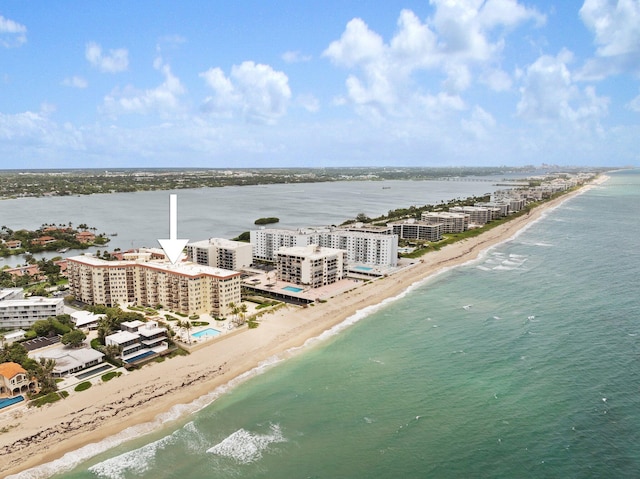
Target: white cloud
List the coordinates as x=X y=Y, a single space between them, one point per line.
x=295 y=57
x=12 y=34
x=116 y=61
x=480 y=123
x=33 y=134
x=357 y=45
x=164 y=99
x=456 y=41
x=549 y=93
x=75 y=82
x=497 y=80
x=616 y=26
x=308 y=102
x=634 y=105
x=257 y=91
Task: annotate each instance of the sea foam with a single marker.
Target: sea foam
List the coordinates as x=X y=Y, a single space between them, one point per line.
x=245 y=447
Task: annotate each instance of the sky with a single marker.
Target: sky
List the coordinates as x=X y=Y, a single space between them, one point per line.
x=213 y=84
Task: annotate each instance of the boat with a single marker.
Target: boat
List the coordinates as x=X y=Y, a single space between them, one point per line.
x=63 y=250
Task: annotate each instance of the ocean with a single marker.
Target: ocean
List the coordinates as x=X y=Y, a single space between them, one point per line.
x=523 y=363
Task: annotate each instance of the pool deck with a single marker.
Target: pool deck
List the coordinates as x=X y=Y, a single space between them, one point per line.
x=267 y=283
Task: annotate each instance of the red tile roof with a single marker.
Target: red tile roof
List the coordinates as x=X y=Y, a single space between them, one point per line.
x=9 y=370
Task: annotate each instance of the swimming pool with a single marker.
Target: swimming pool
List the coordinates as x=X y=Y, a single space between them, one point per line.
x=139 y=357
x=293 y=289
x=93 y=372
x=206 y=333
x=362 y=268
x=10 y=401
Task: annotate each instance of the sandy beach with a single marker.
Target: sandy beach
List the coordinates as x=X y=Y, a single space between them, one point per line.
x=145 y=398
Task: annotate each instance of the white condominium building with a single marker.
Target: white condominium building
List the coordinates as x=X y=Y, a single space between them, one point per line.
x=498 y=209
x=22 y=313
x=362 y=247
x=267 y=241
x=184 y=287
x=311 y=265
x=451 y=222
x=221 y=253
x=478 y=215
x=419 y=230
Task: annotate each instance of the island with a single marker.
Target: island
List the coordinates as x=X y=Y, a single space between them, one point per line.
x=266 y=221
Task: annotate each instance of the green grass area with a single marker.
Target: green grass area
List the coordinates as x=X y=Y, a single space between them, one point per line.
x=110 y=375
x=83 y=386
x=199 y=323
x=47 y=399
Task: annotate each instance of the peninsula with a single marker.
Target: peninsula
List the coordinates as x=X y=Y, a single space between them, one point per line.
x=143 y=398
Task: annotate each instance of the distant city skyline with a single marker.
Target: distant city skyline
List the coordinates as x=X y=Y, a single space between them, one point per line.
x=319 y=84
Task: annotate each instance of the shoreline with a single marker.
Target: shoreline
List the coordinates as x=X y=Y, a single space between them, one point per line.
x=163 y=392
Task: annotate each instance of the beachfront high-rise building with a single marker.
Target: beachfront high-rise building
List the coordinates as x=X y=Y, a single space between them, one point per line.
x=362 y=247
x=311 y=265
x=185 y=287
x=221 y=253
x=451 y=222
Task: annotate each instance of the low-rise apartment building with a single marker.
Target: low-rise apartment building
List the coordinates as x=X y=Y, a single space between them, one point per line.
x=417 y=230
x=185 y=287
x=22 y=313
x=478 y=215
x=451 y=222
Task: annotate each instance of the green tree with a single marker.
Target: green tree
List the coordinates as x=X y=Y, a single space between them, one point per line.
x=106 y=325
x=112 y=351
x=43 y=371
x=14 y=353
x=74 y=338
x=187 y=326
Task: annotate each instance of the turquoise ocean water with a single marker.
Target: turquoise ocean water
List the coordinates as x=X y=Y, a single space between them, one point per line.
x=524 y=363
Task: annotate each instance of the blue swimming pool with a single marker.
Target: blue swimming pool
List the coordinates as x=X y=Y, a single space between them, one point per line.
x=93 y=372
x=139 y=357
x=363 y=268
x=10 y=401
x=293 y=289
x=206 y=332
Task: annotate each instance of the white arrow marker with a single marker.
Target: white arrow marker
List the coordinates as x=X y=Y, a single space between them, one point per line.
x=173 y=247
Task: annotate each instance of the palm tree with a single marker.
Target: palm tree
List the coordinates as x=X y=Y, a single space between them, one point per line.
x=112 y=351
x=235 y=310
x=44 y=374
x=243 y=312
x=105 y=327
x=179 y=325
x=187 y=326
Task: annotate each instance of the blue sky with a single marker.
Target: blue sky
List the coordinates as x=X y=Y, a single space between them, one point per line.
x=309 y=83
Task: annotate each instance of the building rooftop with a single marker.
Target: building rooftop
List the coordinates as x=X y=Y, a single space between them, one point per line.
x=67 y=359
x=122 y=337
x=82 y=318
x=185 y=268
x=32 y=301
x=9 y=370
